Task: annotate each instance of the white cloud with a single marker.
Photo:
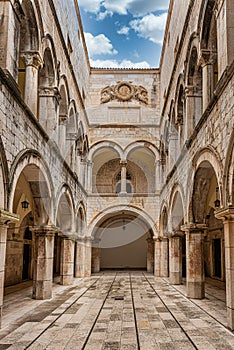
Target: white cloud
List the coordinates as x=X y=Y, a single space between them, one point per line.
x=150 y=27
x=90 y=5
x=116 y=64
x=99 y=45
x=124 y=30
x=122 y=7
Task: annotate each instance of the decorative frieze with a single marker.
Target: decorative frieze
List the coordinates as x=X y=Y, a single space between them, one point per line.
x=124 y=92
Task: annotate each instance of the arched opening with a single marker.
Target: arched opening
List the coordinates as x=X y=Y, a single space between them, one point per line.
x=48 y=94
x=209 y=52
x=32 y=203
x=205 y=201
x=106 y=173
x=123 y=241
x=177 y=220
x=141 y=169
x=194 y=107
x=29 y=60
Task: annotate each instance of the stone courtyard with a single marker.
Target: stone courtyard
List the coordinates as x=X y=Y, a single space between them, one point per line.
x=129 y=310
x=116 y=185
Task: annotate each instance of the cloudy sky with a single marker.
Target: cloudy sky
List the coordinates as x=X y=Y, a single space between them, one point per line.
x=124 y=33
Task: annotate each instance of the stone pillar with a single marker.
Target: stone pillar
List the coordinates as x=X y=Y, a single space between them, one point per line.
x=164 y=257
x=195 y=275
x=157 y=256
x=33 y=62
x=96 y=255
x=173 y=148
x=49 y=98
x=123 y=177
x=5 y=219
x=82 y=172
x=227 y=215
x=43 y=265
x=175 y=248
x=67 y=260
x=205 y=61
x=193 y=100
x=89 y=176
x=150 y=255
x=87 y=256
x=62 y=134
x=79 y=266
x=157 y=176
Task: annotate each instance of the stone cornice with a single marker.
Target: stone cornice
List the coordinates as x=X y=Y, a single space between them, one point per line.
x=6 y=217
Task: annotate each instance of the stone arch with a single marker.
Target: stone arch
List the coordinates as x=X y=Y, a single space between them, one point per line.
x=228 y=185
x=140 y=163
x=4 y=176
x=105 y=144
x=176 y=208
x=40 y=183
x=163 y=220
x=29 y=37
x=81 y=219
x=123 y=238
x=140 y=144
x=65 y=209
x=210 y=155
x=122 y=208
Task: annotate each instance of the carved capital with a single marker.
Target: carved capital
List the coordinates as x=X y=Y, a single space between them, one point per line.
x=206 y=57
x=32 y=58
x=193 y=227
x=225 y=214
x=49 y=91
x=63 y=119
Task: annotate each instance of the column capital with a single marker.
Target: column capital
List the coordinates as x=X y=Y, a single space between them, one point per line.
x=49 y=91
x=193 y=227
x=32 y=58
x=44 y=230
x=176 y=234
x=123 y=163
x=6 y=217
x=225 y=214
x=63 y=119
x=189 y=91
x=206 y=57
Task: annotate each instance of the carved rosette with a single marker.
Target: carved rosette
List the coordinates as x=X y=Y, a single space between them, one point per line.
x=124 y=91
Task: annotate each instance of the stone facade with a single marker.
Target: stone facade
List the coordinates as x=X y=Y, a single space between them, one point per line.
x=86 y=153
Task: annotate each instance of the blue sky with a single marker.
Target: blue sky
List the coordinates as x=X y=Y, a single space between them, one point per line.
x=124 y=33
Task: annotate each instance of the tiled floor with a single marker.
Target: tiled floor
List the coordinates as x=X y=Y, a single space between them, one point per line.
x=116 y=310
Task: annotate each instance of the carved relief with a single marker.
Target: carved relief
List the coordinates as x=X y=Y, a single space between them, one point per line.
x=124 y=91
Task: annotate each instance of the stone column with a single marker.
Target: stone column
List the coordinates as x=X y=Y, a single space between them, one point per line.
x=62 y=134
x=150 y=255
x=87 y=256
x=205 y=61
x=175 y=246
x=157 y=176
x=164 y=257
x=43 y=265
x=49 y=98
x=227 y=216
x=173 y=148
x=82 y=172
x=96 y=255
x=33 y=62
x=79 y=265
x=123 y=177
x=89 y=176
x=195 y=276
x=67 y=260
x=193 y=99
x=157 y=256
x=5 y=219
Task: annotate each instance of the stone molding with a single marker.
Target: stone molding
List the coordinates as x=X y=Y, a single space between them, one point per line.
x=225 y=214
x=124 y=92
x=6 y=217
x=193 y=227
x=49 y=91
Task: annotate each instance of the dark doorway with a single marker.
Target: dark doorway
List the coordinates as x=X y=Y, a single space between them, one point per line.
x=217 y=257
x=26 y=262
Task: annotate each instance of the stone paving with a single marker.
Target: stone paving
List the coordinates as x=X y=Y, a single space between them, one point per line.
x=119 y=310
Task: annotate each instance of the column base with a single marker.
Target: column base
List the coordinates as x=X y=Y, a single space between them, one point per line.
x=230 y=318
x=175 y=278
x=195 y=290
x=66 y=280
x=42 y=290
